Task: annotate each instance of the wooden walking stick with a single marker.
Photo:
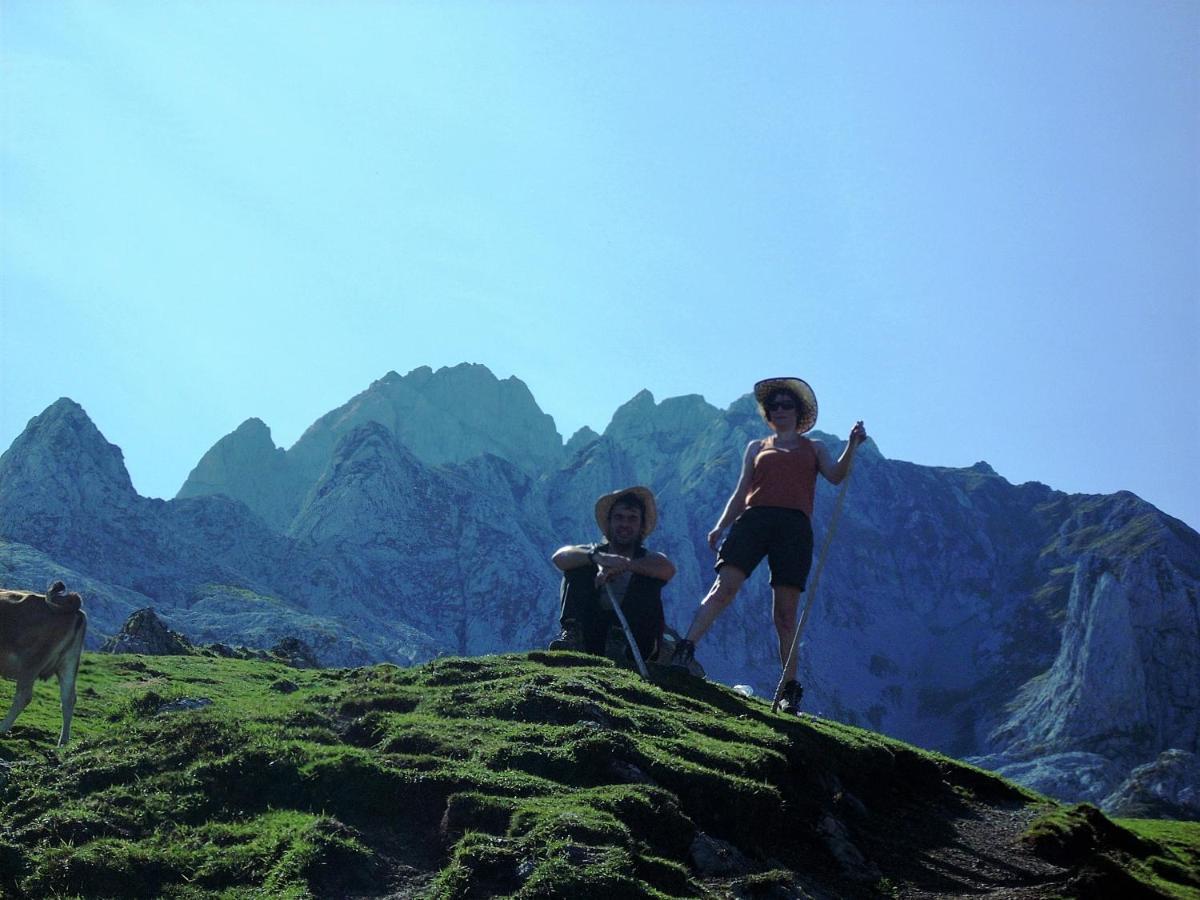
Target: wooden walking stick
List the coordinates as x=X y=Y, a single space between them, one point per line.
x=812 y=592
x=633 y=647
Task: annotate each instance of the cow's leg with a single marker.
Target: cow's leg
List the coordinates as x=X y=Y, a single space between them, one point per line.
x=66 y=692
x=20 y=701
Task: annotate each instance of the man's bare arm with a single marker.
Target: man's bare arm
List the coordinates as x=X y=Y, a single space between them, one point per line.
x=572 y=556
x=652 y=565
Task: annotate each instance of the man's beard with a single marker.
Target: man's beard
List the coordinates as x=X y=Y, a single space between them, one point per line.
x=622 y=548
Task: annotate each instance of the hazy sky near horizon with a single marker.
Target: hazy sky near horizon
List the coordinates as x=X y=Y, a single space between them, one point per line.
x=974 y=225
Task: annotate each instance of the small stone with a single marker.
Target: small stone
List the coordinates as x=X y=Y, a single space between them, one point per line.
x=629 y=773
x=295 y=653
x=185 y=704
x=713 y=856
x=837 y=839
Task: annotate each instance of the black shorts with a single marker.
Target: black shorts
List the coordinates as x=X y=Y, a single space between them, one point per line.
x=783 y=536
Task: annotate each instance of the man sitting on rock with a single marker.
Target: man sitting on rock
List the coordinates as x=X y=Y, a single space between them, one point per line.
x=620 y=569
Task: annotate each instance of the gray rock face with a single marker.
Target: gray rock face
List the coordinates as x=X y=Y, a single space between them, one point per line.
x=1053 y=637
x=421 y=546
x=1125 y=681
x=61 y=479
x=1074 y=775
x=297 y=654
x=1168 y=787
x=1111 y=685
x=246 y=465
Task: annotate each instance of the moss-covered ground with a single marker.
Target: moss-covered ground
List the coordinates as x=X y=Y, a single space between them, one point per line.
x=1130 y=858
x=535 y=775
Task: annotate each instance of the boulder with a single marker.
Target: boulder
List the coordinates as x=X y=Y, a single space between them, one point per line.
x=1168 y=787
x=145 y=633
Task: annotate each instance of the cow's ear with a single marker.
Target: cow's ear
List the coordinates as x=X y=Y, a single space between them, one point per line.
x=57 y=588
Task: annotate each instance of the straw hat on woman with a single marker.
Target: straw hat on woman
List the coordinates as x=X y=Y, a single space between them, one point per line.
x=770 y=510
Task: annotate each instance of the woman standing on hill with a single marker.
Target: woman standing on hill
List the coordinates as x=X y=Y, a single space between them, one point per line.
x=771 y=511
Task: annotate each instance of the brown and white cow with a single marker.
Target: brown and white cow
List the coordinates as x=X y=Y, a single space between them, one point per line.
x=41 y=635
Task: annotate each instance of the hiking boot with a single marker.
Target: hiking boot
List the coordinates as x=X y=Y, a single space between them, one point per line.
x=789 y=701
x=570 y=639
x=685 y=652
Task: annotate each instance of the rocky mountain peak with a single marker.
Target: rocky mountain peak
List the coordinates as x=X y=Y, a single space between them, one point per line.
x=745 y=405
x=368 y=451
x=246 y=447
x=640 y=406
x=580 y=439
x=254 y=429
x=63 y=459
x=369 y=473
x=681 y=417
x=246 y=465
x=448 y=415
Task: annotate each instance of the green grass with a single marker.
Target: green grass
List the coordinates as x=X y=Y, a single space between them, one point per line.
x=1173 y=867
x=535 y=775
x=1136 y=857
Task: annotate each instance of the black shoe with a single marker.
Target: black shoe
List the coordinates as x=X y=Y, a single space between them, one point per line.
x=570 y=639
x=789 y=701
x=685 y=652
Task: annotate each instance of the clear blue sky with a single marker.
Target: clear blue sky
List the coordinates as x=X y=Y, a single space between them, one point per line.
x=974 y=225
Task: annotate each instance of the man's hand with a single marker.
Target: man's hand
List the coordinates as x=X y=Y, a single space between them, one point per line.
x=858 y=434
x=611 y=565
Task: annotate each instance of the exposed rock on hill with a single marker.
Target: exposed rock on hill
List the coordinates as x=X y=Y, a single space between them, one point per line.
x=145 y=633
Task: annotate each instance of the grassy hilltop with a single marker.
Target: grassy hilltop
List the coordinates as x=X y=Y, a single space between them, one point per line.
x=536 y=775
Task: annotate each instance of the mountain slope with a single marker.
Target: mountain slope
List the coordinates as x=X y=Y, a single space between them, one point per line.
x=208 y=563
x=956 y=611
x=539 y=775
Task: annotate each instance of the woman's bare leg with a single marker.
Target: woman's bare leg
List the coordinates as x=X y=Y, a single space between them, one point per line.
x=785 y=600
x=720 y=595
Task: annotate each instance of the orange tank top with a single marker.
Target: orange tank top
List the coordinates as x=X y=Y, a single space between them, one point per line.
x=786 y=478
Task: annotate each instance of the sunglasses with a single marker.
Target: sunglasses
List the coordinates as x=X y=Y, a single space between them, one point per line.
x=773 y=405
